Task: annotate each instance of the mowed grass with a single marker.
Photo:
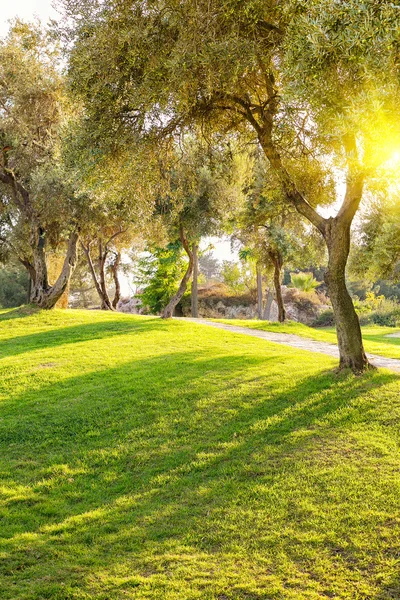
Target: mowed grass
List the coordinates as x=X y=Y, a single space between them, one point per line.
x=376 y=340
x=168 y=460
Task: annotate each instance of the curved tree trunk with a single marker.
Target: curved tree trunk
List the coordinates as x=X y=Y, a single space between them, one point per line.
x=195 y=290
x=169 y=309
x=259 y=292
x=277 y=261
x=114 y=270
x=336 y=231
x=104 y=304
x=351 y=349
x=42 y=294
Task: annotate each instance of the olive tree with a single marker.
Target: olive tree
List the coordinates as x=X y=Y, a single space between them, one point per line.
x=37 y=196
x=316 y=78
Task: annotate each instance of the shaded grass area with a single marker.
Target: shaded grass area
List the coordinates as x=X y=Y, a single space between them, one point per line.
x=375 y=337
x=150 y=459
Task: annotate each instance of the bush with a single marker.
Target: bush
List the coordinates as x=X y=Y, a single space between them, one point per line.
x=378 y=310
x=389 y=318
x=305 y=282
x=325 y=319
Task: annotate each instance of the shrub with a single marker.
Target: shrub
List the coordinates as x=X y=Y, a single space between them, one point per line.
x=305 y=282
x=325 y=319
x=377 y=310
x=389 y=318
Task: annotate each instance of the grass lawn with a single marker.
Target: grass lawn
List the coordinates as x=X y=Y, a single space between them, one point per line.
x=375 y=337
x=144 y=459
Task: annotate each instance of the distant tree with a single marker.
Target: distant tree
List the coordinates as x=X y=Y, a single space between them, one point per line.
x=271 y=230
x=158 y=275
x=376 y=254
x=209 y=266
x=238 y=276
x=201 y=183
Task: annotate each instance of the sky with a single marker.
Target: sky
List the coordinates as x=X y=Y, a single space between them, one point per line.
x=26 y=9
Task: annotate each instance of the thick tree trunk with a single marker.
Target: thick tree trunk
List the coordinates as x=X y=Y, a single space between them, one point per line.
x=114 y=270
x=276 y=258
x=42 y=294
x=259 y=292
x=348 y=329
x=195 y=296
x=169 y=309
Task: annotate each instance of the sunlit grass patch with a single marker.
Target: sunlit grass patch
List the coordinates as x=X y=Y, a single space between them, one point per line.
x=170 y=460
x=377 y=340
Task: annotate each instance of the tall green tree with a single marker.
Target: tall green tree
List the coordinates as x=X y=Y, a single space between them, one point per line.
x=201 y=184
x=38 y=201
x=324 y=73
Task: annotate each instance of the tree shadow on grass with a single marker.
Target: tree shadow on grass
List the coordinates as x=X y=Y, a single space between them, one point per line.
x=82 y=332
x=187 y=476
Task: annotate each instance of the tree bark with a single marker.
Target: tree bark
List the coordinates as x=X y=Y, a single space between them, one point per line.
x=169 y=309
x=114 y=270
x=42 y=294
x=268 y=305
x=259 y=292
x=351 y=349
x=276 y=258
x=104 y=304
x=195 y=296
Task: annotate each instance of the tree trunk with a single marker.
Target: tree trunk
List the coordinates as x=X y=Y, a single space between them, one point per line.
x=40 y=285
x=29 y=288
x=336 y=232
x=348 y=329
x=169 y=309
x=195 y=297
x=259 y=292
x=268 y=305
x=276 y=258
x=106 y=303
x=114 y=270
x=42 y=294
x=93 y=273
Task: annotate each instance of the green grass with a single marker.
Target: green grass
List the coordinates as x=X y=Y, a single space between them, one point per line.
x=375 y=337
x=144 y=459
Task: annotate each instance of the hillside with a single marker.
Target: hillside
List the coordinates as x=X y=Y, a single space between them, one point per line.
x=144 y=459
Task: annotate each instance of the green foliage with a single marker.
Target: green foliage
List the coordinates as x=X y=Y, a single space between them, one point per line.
x=144 y=459
x=239 y=277
x=158 y=275
x=378 y=310
x=13 y=286
x=325 y=319
x=305 y=282
x=376 y=254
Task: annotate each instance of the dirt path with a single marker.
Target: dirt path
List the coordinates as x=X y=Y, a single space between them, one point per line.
x=295 y=341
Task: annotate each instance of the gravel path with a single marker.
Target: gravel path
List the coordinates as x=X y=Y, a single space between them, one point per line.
x=288 y=339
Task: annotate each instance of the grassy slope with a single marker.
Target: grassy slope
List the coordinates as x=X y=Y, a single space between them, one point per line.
x=143 y=459
x=374 y=337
